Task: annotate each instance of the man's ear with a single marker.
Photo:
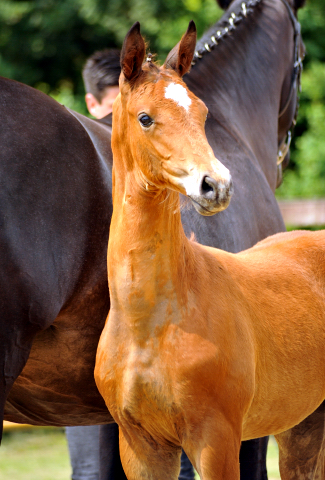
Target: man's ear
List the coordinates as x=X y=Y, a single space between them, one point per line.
x=181 y=56
x=91 y=103
x=133 y=52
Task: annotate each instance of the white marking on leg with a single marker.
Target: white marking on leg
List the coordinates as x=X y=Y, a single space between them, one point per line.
x=179 y=94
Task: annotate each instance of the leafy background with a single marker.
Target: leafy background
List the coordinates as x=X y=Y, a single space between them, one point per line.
x=45 y=43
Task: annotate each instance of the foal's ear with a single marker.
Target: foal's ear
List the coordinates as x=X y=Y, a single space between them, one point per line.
x=181 y=56
x=132 y=53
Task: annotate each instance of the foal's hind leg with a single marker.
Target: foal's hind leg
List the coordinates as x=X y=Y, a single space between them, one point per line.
x=301 y=449
x=144 y=461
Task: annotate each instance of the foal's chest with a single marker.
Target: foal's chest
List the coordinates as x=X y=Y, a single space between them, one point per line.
x=159 y=377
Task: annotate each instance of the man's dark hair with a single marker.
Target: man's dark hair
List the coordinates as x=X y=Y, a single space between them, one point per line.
x=101 y=70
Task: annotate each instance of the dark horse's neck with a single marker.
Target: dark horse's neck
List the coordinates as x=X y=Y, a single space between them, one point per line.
x=241 y=79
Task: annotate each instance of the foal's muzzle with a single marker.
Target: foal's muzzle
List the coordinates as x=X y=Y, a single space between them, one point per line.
x=213 y=195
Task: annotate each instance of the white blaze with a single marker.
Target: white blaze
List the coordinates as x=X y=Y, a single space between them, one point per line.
x=178 y=93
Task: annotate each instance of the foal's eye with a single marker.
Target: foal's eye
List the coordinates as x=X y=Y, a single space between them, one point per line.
x=145 y=120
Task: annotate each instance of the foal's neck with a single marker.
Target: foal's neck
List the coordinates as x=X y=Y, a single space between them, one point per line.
x=147 y=249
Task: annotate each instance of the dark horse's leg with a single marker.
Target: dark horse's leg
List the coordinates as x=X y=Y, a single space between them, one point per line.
x=13 y=358
x=16 y=335
x=252 y=459
x=110 y=463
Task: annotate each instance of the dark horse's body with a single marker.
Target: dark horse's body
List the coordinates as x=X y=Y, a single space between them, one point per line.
x=55 y=207
x=55 y=210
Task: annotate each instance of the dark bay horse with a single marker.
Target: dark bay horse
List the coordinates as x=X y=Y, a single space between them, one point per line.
x=55 y=209
x=57 y=205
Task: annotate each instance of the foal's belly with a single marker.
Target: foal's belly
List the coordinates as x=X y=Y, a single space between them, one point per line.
x=283 y=399
x=274 y=419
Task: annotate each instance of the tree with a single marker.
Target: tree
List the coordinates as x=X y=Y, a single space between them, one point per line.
x=305 y=176
x=45 y=43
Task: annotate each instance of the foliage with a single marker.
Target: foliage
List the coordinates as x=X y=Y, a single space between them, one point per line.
x=305 y=177
x=45 y=43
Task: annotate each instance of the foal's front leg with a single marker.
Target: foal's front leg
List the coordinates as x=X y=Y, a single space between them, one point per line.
x=215 y=450
x=144 y=461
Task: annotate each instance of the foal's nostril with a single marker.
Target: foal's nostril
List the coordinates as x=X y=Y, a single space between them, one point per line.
x=209 y=187
x=213 y=194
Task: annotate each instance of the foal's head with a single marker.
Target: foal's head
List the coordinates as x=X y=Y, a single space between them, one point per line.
x=159 y=124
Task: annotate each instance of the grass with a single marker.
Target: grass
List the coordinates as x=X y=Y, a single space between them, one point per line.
x=273 y=460
x=34 y=454
x=42 y=454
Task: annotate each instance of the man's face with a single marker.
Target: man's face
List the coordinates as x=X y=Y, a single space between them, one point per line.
x=100 y=110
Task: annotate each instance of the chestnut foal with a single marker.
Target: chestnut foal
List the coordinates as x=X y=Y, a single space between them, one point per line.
x=202 y=348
